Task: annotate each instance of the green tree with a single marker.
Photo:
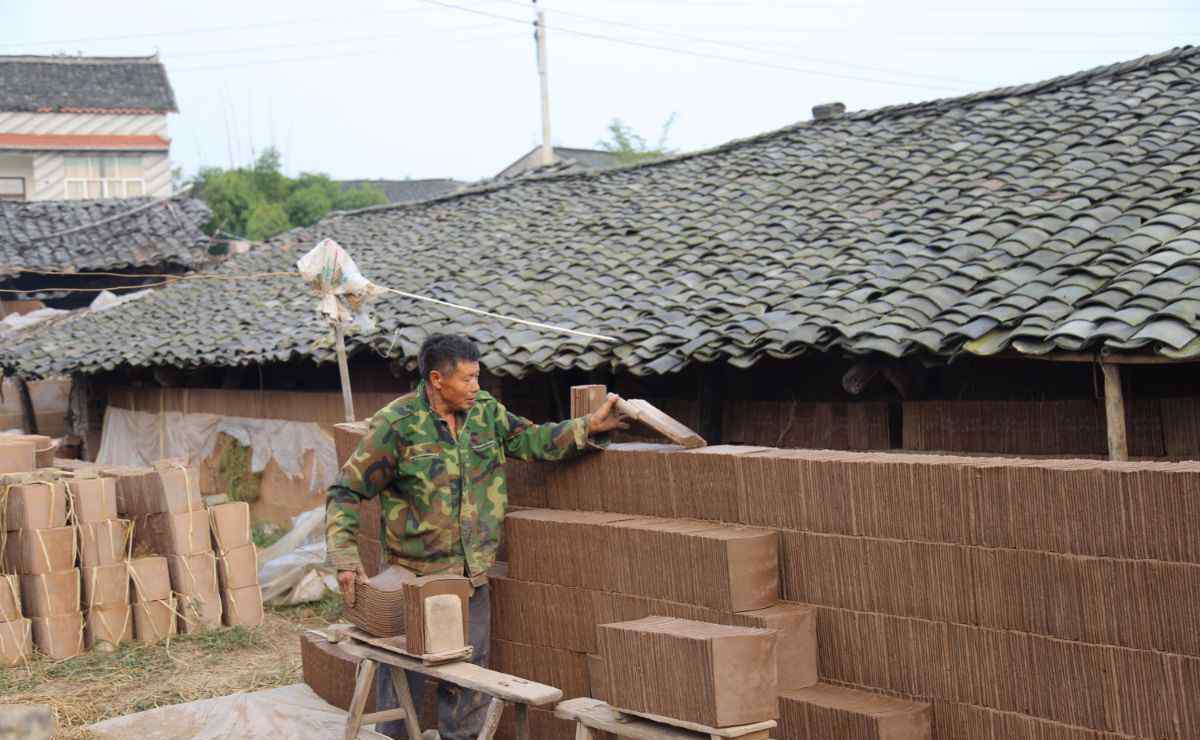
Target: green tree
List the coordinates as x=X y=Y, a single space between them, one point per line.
x=630 y=146
x=364 y=196
x=266 y=220
x=307 y=205
x=260 y=201
x=231 y=195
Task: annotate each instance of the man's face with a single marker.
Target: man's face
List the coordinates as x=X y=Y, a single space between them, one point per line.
x=458 y=387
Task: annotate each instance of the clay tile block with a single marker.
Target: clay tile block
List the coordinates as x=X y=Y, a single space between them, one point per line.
x=38 y=505
x=731 y=670
x=195 y=575
x=230 y=526
x=37 y=551
x=93 y=499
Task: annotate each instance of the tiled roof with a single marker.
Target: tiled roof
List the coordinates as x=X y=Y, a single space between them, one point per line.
x=1059 y=215
x=75 y=84
x=408 y=191
x=91 y=235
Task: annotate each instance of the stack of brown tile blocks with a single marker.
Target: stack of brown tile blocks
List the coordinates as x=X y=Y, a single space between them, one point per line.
x=237 y=564
x=40 y=550
x=103 y=538
x=1020 y=598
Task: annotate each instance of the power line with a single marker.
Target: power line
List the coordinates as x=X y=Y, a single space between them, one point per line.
x=740 y=47
x=323 y=42
x=323 y=57
x=208 y=29
x=701 y=55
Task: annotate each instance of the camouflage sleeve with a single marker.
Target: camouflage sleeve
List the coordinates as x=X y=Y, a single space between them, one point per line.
x=370 y=470
x=525 y=440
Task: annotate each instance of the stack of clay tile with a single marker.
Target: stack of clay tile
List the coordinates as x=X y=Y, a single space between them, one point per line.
x=41 y=548
x=153 y=602
x=699 y=672
x=370 y=536
x=378 y=607
x=329 y=671
x=237 y=564
x=825 y=711
x=1041 y=427
x=570 y=571
x=16 y=634
x=169 y=522
x=860 y=425
x=1061 y=592
x=103 y=555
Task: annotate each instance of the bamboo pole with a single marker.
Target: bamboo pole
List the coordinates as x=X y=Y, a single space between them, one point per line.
x=1114 y=413
x=343 y=369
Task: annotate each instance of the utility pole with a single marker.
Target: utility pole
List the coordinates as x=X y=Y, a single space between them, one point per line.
x=540 y=35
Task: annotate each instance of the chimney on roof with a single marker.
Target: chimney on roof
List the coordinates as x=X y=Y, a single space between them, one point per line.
x=828 y=110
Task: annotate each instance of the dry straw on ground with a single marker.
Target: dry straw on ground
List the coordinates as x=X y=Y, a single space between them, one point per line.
x=97 y=686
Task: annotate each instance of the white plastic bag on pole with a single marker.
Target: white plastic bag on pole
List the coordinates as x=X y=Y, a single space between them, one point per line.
x=330 y=271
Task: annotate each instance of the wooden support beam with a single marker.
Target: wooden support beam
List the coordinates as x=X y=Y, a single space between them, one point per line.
x=1114 y=413
x=1107 y=359
x=711 y=398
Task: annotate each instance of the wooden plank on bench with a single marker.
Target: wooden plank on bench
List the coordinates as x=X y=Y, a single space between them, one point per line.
x=467 y=675
x=598 y=715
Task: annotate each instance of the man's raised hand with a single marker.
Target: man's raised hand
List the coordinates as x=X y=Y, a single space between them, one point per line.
x=607 y=418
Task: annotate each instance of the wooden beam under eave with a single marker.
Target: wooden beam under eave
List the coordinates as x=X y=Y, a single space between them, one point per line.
x=1114 y=413
x=1110 y=359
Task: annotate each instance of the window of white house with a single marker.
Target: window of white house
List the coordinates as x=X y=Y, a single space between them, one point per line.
x=12 y=188
x=114 y=176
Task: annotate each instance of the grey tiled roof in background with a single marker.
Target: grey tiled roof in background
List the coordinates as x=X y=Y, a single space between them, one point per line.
x=1058 y=215
x=52 y=83
x=99 y=235
x=408 y=191
x=565 y=158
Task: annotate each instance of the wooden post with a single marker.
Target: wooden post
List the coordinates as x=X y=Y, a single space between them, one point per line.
x=711 y=399
x=343 y=368
x=1114 y=413
x=547 y=150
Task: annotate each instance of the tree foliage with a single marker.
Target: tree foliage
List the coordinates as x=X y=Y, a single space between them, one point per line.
x=260 y=201
x=630 y=146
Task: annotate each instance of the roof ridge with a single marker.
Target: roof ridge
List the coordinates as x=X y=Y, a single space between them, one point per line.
x=74 y=59
x=1051 y=84
x=870 y=115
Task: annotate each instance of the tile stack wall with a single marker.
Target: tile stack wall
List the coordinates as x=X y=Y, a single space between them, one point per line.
x=1021 y=598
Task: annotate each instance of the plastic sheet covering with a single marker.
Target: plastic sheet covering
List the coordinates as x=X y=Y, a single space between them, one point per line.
x=343 y=290
x=287 y=712
x=140 y=438
x=294 y=569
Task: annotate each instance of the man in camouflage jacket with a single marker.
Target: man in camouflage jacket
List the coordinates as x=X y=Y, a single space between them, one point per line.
x=436 y=458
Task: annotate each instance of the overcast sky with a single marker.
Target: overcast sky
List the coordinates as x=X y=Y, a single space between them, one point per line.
x=448 y=88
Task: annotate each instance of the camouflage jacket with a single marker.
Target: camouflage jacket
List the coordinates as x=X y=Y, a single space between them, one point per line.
x=443 y=500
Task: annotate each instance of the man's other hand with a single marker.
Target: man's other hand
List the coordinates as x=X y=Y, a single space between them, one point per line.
x=606 y=418
x=346 y=581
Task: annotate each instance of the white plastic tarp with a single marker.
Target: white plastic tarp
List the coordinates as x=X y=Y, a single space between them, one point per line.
x=141 y=437
x=294 y=569
x=293 y=712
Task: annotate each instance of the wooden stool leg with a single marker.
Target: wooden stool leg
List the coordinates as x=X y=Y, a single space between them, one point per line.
x=492 y=719
x=405 y=700
x=364 y=682
x=522 y=721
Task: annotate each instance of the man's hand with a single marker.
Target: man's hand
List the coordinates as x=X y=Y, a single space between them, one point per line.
x=346 y=581
x=606 y=418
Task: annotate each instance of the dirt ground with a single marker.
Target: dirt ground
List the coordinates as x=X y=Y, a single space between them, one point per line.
x=96 y=686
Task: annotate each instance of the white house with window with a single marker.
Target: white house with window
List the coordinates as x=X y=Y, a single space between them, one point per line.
x=74 y=128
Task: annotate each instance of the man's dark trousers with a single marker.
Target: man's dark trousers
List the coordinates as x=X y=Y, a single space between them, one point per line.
x=460 y=712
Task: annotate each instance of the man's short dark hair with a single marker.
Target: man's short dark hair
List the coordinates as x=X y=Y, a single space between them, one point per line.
x=443 y=352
